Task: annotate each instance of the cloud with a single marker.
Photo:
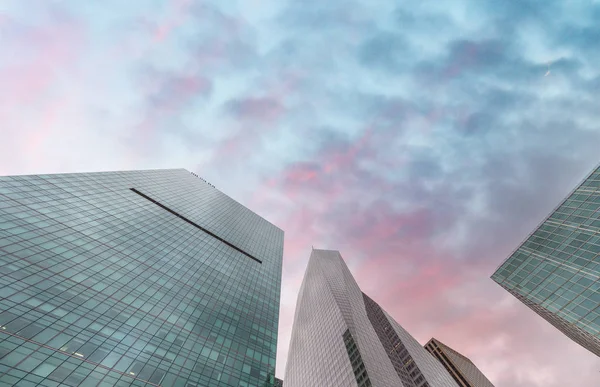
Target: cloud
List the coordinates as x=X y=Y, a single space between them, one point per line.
x=167 y=96
x=493 y=160
x=383 y=244
x=423 y=141
x=30 y=101
x=385 y=49
x=176 y=96
x=220 y=43
x=172 y=92
x=255 y=109
x=179 y=10
x=320 y=16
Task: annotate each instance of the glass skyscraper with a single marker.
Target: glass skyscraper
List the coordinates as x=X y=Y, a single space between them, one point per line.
x=140 y=278
x=462 y=369
x=341 y=337
x=556 y=271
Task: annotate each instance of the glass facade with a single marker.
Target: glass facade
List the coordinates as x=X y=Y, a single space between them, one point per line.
x=464 y=372
x=401 y=359
x=556 y=271
x=341 y=337
x=358 y=367
x=173 y=285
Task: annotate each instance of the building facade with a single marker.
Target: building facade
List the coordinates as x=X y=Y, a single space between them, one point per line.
x=139 y=278
x=556 y=270
x=341 y=337
x=461 y=368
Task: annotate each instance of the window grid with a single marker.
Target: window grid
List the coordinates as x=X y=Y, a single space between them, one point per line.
x=557 y=268
x=88 y=267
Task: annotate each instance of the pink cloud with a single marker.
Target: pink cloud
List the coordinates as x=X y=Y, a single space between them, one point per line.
x=257 y=116
x=302 y=173
x=50 y=50
x=167 y=96
x=511 y=344
x=262 y=109
x=173 y=92
x=178 y=14
x=49 y=117
x=31 y=82
x=394 y=255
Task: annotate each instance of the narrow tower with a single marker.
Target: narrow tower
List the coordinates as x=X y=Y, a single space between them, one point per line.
x=341 y=337
x=462 y=369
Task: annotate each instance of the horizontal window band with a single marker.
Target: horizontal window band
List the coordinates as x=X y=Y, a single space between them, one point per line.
x=194 y=224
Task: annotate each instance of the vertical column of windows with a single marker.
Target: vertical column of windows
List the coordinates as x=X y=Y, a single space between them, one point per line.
x=403 y=363
x=436 y=351
x=358 y=367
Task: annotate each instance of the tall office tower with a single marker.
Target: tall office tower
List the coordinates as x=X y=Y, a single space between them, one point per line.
x=462 y=369
x=278 y=382
x=343 y=338
x=141 y=278
x=556 y=270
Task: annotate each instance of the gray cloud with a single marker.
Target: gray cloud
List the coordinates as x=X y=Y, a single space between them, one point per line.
x=386 y=50
x=263 y=108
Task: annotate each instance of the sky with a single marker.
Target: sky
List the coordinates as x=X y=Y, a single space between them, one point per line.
x=424 y=140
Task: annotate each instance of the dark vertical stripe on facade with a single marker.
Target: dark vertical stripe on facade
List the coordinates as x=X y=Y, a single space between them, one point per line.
x=358 y=367
x=448 y=364
x=403 y=363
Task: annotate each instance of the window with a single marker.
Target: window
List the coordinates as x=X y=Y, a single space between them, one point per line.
x=358 y=367
x=30 y=331
x=61 y=372
x=157 y=376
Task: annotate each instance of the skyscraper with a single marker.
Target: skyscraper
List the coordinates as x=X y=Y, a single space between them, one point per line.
x=556 y=270
x=341 y=337
x=139 y=278
x=462 y=369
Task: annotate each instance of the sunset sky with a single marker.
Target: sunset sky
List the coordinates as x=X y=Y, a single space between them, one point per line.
x=424 y=140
